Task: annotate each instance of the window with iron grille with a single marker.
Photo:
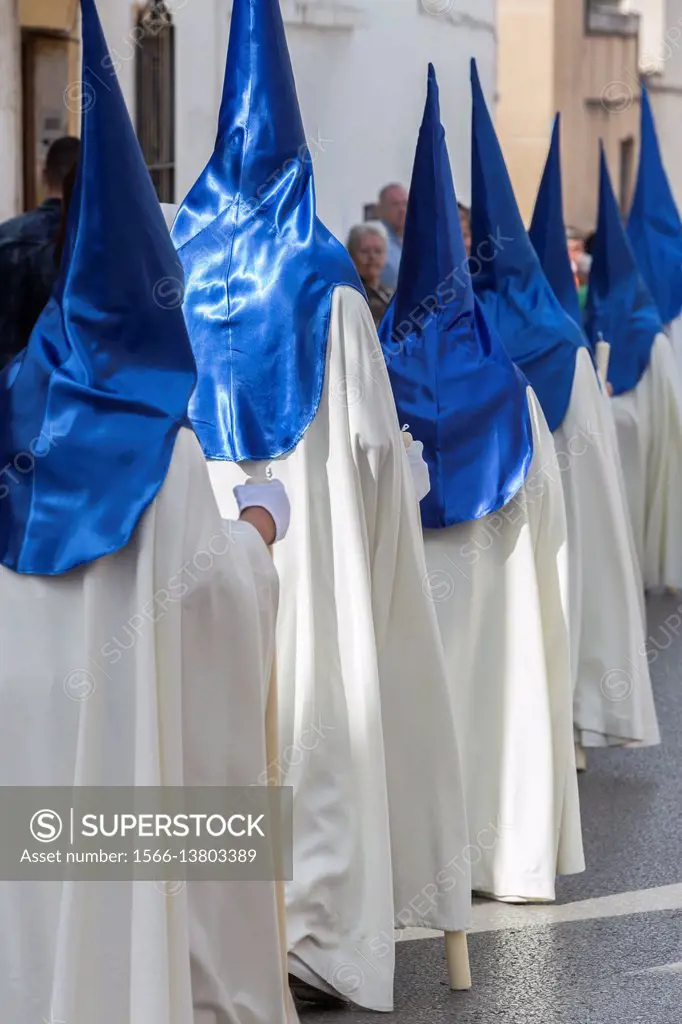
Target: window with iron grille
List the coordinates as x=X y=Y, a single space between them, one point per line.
x=155 y=96
x=611 y=17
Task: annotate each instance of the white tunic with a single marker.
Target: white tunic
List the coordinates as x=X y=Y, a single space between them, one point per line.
x=500 y=589
x=93 y=691
x=613 y=697
x=649 y=424
x=674 y=332
x=368 y=740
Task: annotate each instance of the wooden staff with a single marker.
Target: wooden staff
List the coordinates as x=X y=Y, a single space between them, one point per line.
x=457 y=954
x=456 y=945
x=258 y=471
x=275 y=780
x=580 y=758
x=603 y=356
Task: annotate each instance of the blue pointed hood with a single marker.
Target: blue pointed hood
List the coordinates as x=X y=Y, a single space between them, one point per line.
x=453 y=382
x=539 y=336
x=620 y=308
x=654 y=227
x=89 y=412
x=548 y=230
x=260 y=267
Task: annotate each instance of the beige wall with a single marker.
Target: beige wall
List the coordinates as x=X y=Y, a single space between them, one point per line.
x=547 y=63
x=596 y=90
x=526 y=56
x=56 y=15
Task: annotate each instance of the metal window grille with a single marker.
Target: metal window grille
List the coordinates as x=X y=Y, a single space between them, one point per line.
x=155 y=96
x=611 y=17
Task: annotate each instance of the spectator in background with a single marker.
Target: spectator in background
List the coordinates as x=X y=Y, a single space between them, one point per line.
x=576 y=246
x=465 y=224
x=27 y=253
x=584 y=267
x=581 y=262
x=392 y=211
x=368 y=247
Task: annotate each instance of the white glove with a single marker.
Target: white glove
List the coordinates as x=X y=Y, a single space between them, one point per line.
x=271 y=496
x=420 y=469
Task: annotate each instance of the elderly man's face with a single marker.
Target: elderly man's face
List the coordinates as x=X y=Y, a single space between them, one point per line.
x=393 y=207
x=369 y=256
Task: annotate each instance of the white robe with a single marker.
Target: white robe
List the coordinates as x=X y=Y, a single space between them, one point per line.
x=674 y=332
x=649 y=425
x=88 y=696
x=367 y=735
x=613 y=696
x=500 y=589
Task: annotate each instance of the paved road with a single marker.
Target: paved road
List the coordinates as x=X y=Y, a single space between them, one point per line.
x=610 y=950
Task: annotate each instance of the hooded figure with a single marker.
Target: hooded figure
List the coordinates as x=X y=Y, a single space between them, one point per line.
x=604 y=608
x=495 y=539
x=547 y=231
x=136 y=628
x=646 y=401
x=655 y=231
x=291 y=373
x=613 y=625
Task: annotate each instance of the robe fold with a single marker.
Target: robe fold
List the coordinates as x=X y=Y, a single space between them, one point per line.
x=88 y=696
x=674 y=332
x=500 y=588
x=368 y=740
x=613 y=696
x=649 y=426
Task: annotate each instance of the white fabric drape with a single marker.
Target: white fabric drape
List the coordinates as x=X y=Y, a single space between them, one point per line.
x=674 y=332
x=500 y=588
x=649 y=425
x=613 y=696
x=148 y=667
x=367 y=734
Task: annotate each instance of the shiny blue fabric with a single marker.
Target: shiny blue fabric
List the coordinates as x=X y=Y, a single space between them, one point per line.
x=620 y=308
x=453 y=382
x=654 y=225
x=260 y=267
x=548 y=231
x=89 y=412
x=539 y=336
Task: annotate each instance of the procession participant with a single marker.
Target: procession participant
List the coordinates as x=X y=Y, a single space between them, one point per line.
x=136 y=628
x=495 y=539
x=291 y=376
x=552 y=351
x=548 y=232
x=646 y=393
x=655 y=231
x=610 y=602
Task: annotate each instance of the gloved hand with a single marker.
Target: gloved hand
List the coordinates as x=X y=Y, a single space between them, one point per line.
x=269 y=495
x=420 y=469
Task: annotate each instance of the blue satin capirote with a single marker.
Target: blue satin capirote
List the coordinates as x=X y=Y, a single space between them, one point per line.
x=654 y=226
x=453 y=382
x=260 y=267
x=89 y=412
x=539 y=336
x=548 y=231
x=620 y=308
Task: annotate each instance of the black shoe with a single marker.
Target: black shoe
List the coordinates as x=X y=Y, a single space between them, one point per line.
x=308 y=997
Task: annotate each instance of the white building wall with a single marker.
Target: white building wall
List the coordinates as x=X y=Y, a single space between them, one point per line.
x=361 y=85
x=10 y=111
x=666 y=95
x=651 y=32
